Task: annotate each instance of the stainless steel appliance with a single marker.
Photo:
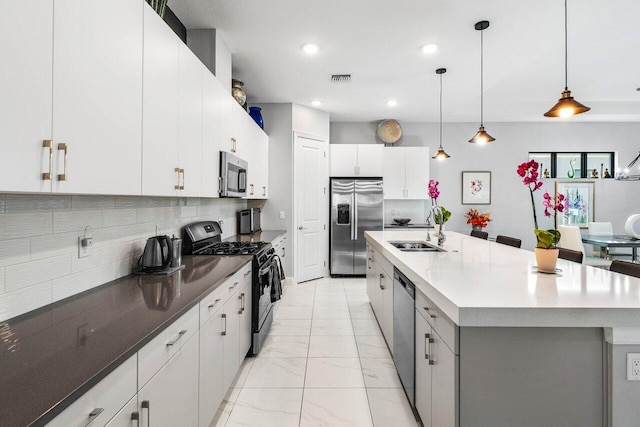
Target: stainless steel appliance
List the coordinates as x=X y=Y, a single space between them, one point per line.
x=404 y=329
x=205 y=238
x=157 y=255
x=249 y=221
x=356 y=207
x=233 y=175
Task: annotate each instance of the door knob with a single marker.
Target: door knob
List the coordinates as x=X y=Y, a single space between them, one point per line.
x=302 y=228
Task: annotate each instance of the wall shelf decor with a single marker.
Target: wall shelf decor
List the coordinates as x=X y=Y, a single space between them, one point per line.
x=476 y=188
x=575 y=165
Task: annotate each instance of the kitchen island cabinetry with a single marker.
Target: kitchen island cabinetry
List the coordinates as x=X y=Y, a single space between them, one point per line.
x=380 y=292
x=499 y=344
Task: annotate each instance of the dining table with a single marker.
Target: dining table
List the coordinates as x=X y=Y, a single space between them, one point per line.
x=604 y=242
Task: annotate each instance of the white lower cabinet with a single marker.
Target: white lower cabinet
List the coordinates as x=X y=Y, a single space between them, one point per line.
x=103 y=401
x=423 y=370
x=128 y=416
x=231 y=361
x=380 y=292
x=245 y=330
x=211 y=365
x=170 y=397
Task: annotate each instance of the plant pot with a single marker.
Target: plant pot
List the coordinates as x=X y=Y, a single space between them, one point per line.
x=436 y=228
x=546 y=259
x=476 y=227
x=238 y=92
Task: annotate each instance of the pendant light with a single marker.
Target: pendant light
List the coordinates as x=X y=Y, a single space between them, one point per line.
x=566 y=105
x=441 y=154
x=481 y=137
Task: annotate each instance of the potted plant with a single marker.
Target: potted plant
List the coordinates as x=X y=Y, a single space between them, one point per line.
x=545 y=250
x=478 y=220
x=434 y=193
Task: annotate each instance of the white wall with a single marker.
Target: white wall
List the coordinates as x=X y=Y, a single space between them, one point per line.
x=511 y=208
x=39 y=261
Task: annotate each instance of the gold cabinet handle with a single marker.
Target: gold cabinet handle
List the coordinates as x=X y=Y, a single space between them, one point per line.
x=177 y=171
x=233 y=145
x=182 y=172
x=63 y=176
x=47 y=143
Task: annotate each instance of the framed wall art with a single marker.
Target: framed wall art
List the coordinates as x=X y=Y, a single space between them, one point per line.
x=578 y=203
x=476 y=188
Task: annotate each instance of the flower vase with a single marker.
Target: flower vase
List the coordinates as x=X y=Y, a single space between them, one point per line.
x=256 y=115
x=546 y=259
x=238 y=92
x=437 y=228
x=476 y=227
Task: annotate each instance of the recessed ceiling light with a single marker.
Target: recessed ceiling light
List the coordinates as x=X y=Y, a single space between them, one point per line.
x=316 y=103
x=392 y=103
x=310 y=48
x=429 y=48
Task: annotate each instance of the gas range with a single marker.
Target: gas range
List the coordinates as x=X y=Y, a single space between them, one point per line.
x=232 y=248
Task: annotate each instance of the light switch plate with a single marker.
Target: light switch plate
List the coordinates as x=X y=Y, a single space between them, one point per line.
x=633 y=366
x=281 y=214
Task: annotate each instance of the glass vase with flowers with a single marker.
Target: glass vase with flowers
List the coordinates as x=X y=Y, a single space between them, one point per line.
x=478 y=220
x=546 y=250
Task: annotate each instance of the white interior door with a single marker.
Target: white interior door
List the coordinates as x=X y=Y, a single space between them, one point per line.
x=311 y=173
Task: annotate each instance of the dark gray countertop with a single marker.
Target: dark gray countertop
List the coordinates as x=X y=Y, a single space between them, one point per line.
x=44 y=367
x=260 y=236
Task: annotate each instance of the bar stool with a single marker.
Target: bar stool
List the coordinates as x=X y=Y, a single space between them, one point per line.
x=570 y=255
x=511 y=241
x=625 y=267
x=480 y=234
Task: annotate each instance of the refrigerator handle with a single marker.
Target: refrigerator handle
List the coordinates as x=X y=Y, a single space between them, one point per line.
x=353 y=197
x=355 y=216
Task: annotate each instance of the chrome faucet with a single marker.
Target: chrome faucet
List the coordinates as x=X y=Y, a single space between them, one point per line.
x=437 y=210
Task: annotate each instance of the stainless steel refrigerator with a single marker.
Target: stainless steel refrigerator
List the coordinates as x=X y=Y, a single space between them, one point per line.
x=356 y=207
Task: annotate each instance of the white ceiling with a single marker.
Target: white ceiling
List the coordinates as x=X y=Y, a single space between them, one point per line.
x=379 y=42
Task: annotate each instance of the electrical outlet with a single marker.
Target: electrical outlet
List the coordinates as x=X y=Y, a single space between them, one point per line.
x=281 y=214
x=633 y=366
x=84 y=243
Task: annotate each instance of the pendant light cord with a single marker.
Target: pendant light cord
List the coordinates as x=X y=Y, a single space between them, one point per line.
x=566 y=49
x=482 y=77
x=440 y=110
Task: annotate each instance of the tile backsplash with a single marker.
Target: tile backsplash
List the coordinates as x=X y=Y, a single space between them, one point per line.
x=417 y=210
x=39 y=261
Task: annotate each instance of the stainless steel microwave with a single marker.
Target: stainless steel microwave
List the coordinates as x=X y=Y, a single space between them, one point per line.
x=233 y=175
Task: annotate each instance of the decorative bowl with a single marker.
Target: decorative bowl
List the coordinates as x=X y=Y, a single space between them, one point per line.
x=402 y=221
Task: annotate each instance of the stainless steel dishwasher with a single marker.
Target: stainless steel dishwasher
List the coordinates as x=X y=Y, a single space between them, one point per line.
x=404 y=326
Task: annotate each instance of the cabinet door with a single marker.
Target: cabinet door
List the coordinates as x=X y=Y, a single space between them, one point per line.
x=260 y=164
x=212 y=137
x=423 y=370
x=127 y=415
x=417 y=173
x=26 y=30
x=231 y=320
x=169 y=398
x=160 y=107
x=344 y=159
x=97 y=96
x=370 y=160
x=245 y=330
x=372 y=274
x=393 y=172
x=190 y=122
x=386 y=308
x=444 y=374
x=241 y=123
x=211 y=368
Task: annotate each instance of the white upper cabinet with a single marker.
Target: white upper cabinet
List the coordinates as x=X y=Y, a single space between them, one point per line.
x=190 y=123
x=26 y=88
x=97 y=103
x=356 y=160
x=406 y=172
x=258 y=158
x=161 y=97
x=212 y=138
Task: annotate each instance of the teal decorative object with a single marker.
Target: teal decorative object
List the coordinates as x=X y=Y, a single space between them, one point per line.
x=572 y=172
x=159 y=6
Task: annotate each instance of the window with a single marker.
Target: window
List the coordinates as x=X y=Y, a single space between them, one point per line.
x=568 y=165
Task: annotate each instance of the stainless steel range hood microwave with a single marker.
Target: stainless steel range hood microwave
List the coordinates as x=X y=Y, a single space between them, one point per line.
x=233 y=176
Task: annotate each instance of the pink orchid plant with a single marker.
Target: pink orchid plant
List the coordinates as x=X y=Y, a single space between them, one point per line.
x=528 y=171
x=433 y=189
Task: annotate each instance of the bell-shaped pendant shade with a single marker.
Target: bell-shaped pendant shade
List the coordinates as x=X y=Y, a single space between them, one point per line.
x=441 y=154
x=481 y=137
x=566 y=106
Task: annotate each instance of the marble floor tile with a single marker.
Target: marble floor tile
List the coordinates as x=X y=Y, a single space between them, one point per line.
x=326 y=290
x=380 y=372
x=390 y=408
x=297 y=301
x=331 y=327
x=290 y=327
x=243 y=372
x=361 y=311
x=328 y=281
x=357 y=297
x=226 y=407
x=330 y=300
x=335 y=408
x=277 y=372
x=372 y=346
x=285 y=346
x=329 y=312
x=334 y=372
x=366 y=327
x=302 y=313
x=333 y=346
x=267 y=408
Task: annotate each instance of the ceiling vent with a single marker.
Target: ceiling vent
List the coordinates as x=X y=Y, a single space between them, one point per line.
x=340 y=78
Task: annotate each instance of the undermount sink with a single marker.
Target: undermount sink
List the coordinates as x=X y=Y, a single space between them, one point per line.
x=416 y=247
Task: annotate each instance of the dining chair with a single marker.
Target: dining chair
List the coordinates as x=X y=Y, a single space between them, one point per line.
x=570 y=255
x=571 y=238
x=625 y=267
x=511 y=241
x=480 y=234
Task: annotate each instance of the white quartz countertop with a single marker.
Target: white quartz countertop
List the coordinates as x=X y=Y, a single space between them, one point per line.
x=482 y=283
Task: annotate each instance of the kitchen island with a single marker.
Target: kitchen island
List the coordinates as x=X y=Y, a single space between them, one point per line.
x=511 y=346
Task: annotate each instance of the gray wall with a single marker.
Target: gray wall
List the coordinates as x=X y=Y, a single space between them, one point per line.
x=510 y=207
